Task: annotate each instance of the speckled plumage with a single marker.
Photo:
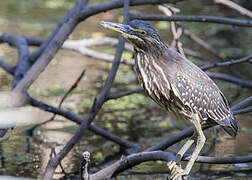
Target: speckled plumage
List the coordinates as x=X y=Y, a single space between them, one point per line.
x=183 y=88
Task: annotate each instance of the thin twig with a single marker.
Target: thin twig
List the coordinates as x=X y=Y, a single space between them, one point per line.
x=192 y=53
x=235 y=6
x=247 y=59
x=75 y=84
x=231 y=79
x=201 y=42
x=125 y=93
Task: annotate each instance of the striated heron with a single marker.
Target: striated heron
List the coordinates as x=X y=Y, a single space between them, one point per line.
x=177 y=85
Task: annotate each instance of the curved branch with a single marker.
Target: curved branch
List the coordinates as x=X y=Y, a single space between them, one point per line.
x=194 y=18
x=7 y=68
x=130 y=161
x=23 y=55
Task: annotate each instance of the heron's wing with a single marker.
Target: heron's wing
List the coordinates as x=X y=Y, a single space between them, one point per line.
x=197 y=91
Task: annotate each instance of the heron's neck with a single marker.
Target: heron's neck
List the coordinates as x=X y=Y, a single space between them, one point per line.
x=154 y=49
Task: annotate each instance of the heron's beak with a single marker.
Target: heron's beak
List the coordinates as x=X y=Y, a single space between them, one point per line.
x=121 y=28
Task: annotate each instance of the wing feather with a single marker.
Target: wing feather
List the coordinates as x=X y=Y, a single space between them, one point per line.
x=195 y=89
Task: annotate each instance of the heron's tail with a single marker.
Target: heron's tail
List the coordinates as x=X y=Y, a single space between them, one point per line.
x=232 y=128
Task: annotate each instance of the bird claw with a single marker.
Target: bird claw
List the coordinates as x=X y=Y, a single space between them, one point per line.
x=177 y=173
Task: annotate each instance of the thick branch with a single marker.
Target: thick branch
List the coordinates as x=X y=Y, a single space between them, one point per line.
x=194 y=18
x=131 y=161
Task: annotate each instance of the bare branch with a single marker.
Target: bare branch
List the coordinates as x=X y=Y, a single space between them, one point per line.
x=235 y=6
x=221 y=160
x=192 y=53
x=131 y=161
x=231 y=79
x=194 y=18
x=247 y=59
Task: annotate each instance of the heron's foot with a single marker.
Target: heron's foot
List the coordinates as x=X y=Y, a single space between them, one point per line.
x=177 y=173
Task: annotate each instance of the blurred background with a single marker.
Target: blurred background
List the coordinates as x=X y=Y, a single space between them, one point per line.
x=133 y=117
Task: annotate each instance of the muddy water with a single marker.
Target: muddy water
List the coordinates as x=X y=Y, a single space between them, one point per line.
x=135 y=117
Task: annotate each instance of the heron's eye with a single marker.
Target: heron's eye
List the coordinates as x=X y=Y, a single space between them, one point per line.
x=142 y=32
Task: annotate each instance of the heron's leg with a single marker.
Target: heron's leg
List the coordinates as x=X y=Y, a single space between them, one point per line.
x=199 y=145
x=175 y=166
x=183 y=150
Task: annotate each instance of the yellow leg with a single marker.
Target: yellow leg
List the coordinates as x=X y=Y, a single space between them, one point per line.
x=177 y=172
x=183 y=150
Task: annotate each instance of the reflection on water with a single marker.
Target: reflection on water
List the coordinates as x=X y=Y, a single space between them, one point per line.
x=135 y=118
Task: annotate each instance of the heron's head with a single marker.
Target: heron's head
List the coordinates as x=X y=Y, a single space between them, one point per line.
x=140 y=33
